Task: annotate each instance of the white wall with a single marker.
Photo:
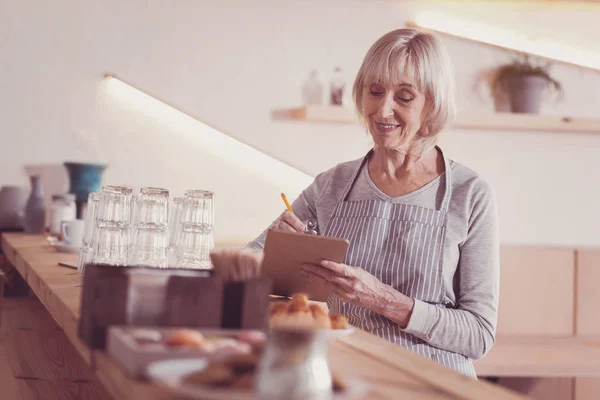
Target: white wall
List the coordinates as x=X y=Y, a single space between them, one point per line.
x=230 y=63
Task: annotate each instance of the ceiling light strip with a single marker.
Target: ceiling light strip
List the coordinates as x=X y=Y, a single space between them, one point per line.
x=507 y=39
x=218 y=143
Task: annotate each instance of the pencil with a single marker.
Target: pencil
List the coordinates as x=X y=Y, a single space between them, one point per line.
x=287 y=204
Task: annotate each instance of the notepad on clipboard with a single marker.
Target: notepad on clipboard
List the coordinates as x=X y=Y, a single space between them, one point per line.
x=285 y=253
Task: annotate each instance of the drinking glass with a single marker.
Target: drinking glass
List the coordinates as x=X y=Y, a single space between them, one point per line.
x=175 y=218
x=149 y=246
x=115 y=205
x=90 y=218
x=89 y=231
x=174 y=223
x=149 y=235
x=113 y=226
x=152 y=207
x=198 y=209
x=113 y=244
x=193 y=247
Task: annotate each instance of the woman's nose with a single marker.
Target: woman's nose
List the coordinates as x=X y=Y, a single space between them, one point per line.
x=386 y=106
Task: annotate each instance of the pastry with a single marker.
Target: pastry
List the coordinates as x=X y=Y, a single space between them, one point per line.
x=187 y=338
x=278 y=314
x=300 y=313
x=215 y=374
x=244 y=382
x=338 y=322
x=320 y=318
x=243 y=363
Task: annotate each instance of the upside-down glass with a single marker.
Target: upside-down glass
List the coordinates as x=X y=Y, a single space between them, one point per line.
x=152 y=207
x=198 y=209
x=175 y=218
x=89 y=231
x=149 y=246
x=90 y=219
x=113 y=244
x=150 y=233
x=175 y=212
x=193 y=247
x=115 y=205
x=113 y=226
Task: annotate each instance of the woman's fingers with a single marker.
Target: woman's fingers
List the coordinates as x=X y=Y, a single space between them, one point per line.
x=285 y=227
x=237 y=265
x=325 y=275
x=292 y=221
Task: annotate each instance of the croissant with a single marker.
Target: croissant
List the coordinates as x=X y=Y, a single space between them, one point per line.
x=300 y=313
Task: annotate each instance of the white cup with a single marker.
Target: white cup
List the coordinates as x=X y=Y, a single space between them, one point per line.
x=72 y=232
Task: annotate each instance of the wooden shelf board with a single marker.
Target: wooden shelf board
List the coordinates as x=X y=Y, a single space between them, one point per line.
x=481 y=121
x=542 y=356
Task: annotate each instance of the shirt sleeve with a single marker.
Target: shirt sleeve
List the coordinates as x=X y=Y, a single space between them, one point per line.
x=305 y=207
x=468 y=329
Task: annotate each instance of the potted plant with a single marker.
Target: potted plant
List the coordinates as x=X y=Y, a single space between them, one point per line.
x=524 y=82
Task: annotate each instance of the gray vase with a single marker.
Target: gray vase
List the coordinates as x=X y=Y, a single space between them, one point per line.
x=525 y=93
x=35 y=209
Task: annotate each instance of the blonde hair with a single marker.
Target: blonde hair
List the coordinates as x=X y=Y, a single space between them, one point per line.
x=419 y=56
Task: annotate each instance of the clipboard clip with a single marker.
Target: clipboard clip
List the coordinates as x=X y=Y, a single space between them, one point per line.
x=310 y=227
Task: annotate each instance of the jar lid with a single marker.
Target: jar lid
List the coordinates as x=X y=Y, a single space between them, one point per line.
x=68 y=197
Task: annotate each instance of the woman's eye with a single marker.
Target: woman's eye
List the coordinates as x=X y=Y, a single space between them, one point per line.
x=376 y=90
x=405 y=98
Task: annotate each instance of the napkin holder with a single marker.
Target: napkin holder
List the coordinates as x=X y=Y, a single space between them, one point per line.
x=144 y=296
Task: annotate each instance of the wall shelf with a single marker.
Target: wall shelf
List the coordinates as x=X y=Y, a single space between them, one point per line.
x=481 y=121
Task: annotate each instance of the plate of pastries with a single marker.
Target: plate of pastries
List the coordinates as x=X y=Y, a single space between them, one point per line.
x=299 y=312
x=230 y=378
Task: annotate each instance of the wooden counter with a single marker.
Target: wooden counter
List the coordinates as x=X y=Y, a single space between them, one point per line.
x=392 y=372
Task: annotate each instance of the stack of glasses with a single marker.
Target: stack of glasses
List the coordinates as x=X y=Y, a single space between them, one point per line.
x=122 y=229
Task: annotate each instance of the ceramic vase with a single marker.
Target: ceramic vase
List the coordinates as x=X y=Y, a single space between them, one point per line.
x=35 y=209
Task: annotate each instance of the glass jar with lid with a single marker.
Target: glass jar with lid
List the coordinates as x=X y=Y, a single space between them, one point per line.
x=62 y=209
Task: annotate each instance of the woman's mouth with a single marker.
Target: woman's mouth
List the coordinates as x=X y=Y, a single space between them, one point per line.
x=386 y=127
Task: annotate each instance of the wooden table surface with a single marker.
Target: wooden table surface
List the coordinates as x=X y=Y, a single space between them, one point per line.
x=391 y=371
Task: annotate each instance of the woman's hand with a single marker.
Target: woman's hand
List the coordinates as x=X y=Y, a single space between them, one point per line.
x=237 y=265
x=288 y=222
x=356 y=286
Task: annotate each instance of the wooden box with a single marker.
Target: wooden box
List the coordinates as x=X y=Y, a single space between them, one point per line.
x=142 y=296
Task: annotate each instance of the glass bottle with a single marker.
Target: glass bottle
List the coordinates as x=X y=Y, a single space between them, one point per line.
x=312 y=92
x=336 y=88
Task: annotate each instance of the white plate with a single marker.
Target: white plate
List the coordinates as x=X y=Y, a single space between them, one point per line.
x=170 y=373
x=63 y=247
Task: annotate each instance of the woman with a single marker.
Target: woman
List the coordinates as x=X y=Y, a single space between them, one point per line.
x=422 y=269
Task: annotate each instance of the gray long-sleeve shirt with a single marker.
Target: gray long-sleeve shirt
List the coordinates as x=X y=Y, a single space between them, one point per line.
x=467 y=324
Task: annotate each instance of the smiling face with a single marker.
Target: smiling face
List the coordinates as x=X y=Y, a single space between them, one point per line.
x=393 y=112
x=404 y=90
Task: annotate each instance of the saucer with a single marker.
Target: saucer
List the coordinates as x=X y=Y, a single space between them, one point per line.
x=63 y=247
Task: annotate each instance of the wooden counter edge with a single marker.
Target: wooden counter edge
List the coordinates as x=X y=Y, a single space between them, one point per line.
x=422 y=369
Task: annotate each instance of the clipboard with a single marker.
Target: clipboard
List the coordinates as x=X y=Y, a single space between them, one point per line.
x=285 y=252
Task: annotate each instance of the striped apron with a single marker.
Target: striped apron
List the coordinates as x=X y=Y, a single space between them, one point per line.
x=401 y=245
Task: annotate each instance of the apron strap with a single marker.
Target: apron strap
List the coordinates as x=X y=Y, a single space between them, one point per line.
x=347 y=189
x=354 y=176
x=448 y=190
